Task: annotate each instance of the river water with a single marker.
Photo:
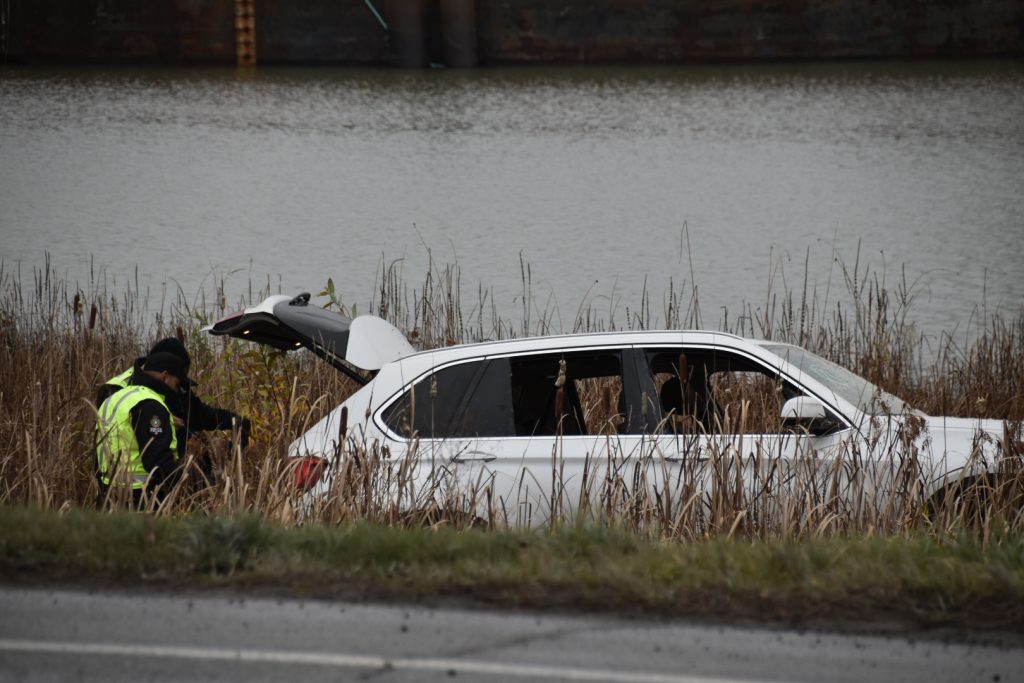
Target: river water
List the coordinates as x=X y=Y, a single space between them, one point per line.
x=601 y=179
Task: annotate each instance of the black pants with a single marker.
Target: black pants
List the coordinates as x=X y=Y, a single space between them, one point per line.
x=140 y=500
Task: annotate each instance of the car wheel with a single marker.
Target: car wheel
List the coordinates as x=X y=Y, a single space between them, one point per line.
x=971 y=502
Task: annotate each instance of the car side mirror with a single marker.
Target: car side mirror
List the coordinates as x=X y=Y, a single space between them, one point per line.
x=807 y=413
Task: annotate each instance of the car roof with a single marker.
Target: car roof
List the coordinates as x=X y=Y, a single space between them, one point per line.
x=576 y=340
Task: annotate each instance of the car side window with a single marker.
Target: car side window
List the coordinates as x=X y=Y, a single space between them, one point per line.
x=459 y=401
x=567 y=393
x=748 y=401
x=715 y=392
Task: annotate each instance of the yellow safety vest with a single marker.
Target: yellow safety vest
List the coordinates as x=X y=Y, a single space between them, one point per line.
x=117 y=449
x=121 y=381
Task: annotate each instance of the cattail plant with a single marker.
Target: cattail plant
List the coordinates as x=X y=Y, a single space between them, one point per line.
x=54 y=359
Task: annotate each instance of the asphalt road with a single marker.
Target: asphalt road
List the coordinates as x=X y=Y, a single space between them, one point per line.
x=75 y=635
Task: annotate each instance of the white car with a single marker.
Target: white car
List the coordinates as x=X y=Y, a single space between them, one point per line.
x=529 y=429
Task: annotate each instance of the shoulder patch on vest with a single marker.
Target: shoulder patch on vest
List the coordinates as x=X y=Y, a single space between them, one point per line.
x=156 y=426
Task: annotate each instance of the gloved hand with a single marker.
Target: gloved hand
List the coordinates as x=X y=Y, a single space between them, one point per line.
x=204 y=463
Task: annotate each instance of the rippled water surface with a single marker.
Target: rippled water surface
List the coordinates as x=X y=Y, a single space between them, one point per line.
x=601 y=179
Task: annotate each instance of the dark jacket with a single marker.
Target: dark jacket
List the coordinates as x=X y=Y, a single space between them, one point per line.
x=189 y=408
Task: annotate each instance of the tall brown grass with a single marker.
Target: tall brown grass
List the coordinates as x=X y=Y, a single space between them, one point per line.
x=61 y=342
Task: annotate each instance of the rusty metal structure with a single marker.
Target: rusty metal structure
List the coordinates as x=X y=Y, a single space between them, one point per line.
x=466 y=33
x=245 y=32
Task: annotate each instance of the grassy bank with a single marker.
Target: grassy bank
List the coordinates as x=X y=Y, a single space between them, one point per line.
x=918 y=581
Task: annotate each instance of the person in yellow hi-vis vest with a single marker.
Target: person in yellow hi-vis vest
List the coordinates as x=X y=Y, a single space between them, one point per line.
x=193 y=414
x=136 y=447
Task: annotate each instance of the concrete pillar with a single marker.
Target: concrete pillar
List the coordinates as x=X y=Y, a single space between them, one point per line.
x=458 y=25
x=408 y=19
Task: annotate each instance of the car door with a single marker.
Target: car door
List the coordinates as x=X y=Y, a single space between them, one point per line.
x=580 y=415
x=722 y=445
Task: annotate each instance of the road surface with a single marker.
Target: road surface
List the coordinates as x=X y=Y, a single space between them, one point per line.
x=103 y=635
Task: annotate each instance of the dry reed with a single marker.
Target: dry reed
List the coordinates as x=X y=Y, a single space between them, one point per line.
x=59 y=344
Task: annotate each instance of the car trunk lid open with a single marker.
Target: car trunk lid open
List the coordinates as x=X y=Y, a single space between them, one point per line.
x=358 y=347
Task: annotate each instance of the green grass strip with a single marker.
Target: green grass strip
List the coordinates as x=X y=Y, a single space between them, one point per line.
x=923 y=580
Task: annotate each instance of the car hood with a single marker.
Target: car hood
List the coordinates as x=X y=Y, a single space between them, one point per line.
x=964 y=446
x=355 y=346
x=961 y=427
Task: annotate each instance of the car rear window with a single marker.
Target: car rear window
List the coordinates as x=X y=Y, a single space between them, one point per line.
x=465 y=400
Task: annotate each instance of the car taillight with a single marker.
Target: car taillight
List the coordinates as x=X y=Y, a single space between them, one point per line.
x=307 y=470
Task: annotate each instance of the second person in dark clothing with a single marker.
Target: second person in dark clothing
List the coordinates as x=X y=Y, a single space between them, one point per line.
x=194 y=415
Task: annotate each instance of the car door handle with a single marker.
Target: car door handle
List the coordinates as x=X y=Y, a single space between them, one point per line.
x=474 y=456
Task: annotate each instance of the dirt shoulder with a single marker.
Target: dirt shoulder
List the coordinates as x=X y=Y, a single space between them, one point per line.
x=958 y=589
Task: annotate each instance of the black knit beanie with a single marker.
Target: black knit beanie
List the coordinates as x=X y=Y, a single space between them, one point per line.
x=172 y=345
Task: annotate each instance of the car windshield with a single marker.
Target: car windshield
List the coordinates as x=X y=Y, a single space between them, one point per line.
x=853 y=388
